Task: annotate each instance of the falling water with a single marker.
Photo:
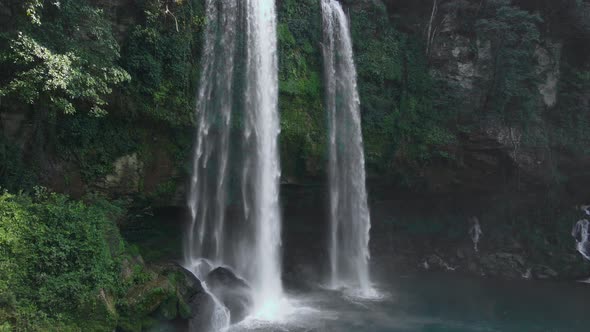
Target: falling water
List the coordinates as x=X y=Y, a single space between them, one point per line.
x=252 y=244
x=581 y=233
x=349 y=213
x=207 y=199
x=219 y=320
x=262 y=169
x=475 y=232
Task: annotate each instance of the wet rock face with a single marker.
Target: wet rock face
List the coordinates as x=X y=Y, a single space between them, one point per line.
x=581 y=235
x=202 y=269
x=126 y=176
x=202 y=308
x=193 y=304
x=232 y=291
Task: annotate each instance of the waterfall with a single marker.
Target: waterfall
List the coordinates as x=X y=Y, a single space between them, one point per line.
x=208 y=194
x=581 y=233
x=475 y=232
x=349 y=213
x=238 y=125
x=262 y=169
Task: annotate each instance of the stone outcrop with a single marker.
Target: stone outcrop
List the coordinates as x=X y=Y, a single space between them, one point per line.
x=126 y=177
x=171 y=294
x=232 y=291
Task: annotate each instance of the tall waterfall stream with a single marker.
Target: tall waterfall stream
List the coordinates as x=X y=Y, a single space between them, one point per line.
x=350 y=221
x=252 y=246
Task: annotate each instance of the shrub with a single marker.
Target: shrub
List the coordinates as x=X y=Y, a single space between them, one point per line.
x=57 y=257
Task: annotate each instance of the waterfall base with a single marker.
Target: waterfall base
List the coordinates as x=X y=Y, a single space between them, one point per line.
x=258 y=312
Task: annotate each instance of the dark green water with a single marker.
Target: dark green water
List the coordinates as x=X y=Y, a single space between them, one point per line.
x=442 y=303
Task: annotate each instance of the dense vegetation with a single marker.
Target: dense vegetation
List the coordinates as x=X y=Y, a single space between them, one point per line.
x=59 y=262
x=83 y=72
x=90 y=96
x=414 y=117
x=65 y=267
x=86 y=82
x=62 y=62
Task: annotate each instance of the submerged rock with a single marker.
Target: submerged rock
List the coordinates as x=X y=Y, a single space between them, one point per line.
x=232 y=291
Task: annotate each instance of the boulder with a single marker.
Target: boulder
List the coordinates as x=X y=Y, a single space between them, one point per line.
x=232 y=291
x=202 y=310
x=174 y=294
x=201 y=268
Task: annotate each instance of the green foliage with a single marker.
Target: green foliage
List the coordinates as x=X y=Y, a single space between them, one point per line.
x=57 y=257
x=63 y=57
x=302 y=118
x=512 y=34
x=32 y=8
x=162 y=57
x=402 y=125
x=65 y=63
x=403 y=129
x=570 y=117
x=94 y=143
x=15 y=174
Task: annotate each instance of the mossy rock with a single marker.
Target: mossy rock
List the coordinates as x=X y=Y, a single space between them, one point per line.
x=146 y=298
x=184 y=309
x=186 y=284
x=99 y=314
x=107 y=302
x=169 y=309
x=142 y=301
x=172 y=293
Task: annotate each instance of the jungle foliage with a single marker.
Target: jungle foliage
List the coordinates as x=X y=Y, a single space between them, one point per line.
x=400 y=119
x=161 y=52
x=57 y=257
x=66 y=63
x=512 y=34
x=94 y=82
x=63 y=61
x=64 y=267
x=404 y=124
x=144 y=72
x=303 y=123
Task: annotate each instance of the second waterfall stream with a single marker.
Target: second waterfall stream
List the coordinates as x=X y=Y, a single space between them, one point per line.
x=350 y=221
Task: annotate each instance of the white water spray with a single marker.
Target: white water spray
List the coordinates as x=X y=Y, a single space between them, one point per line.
x=220 y=319
x=206 y=202
x=581 y=233
x=251 y=246
x=262 y=171
x=349 y=213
